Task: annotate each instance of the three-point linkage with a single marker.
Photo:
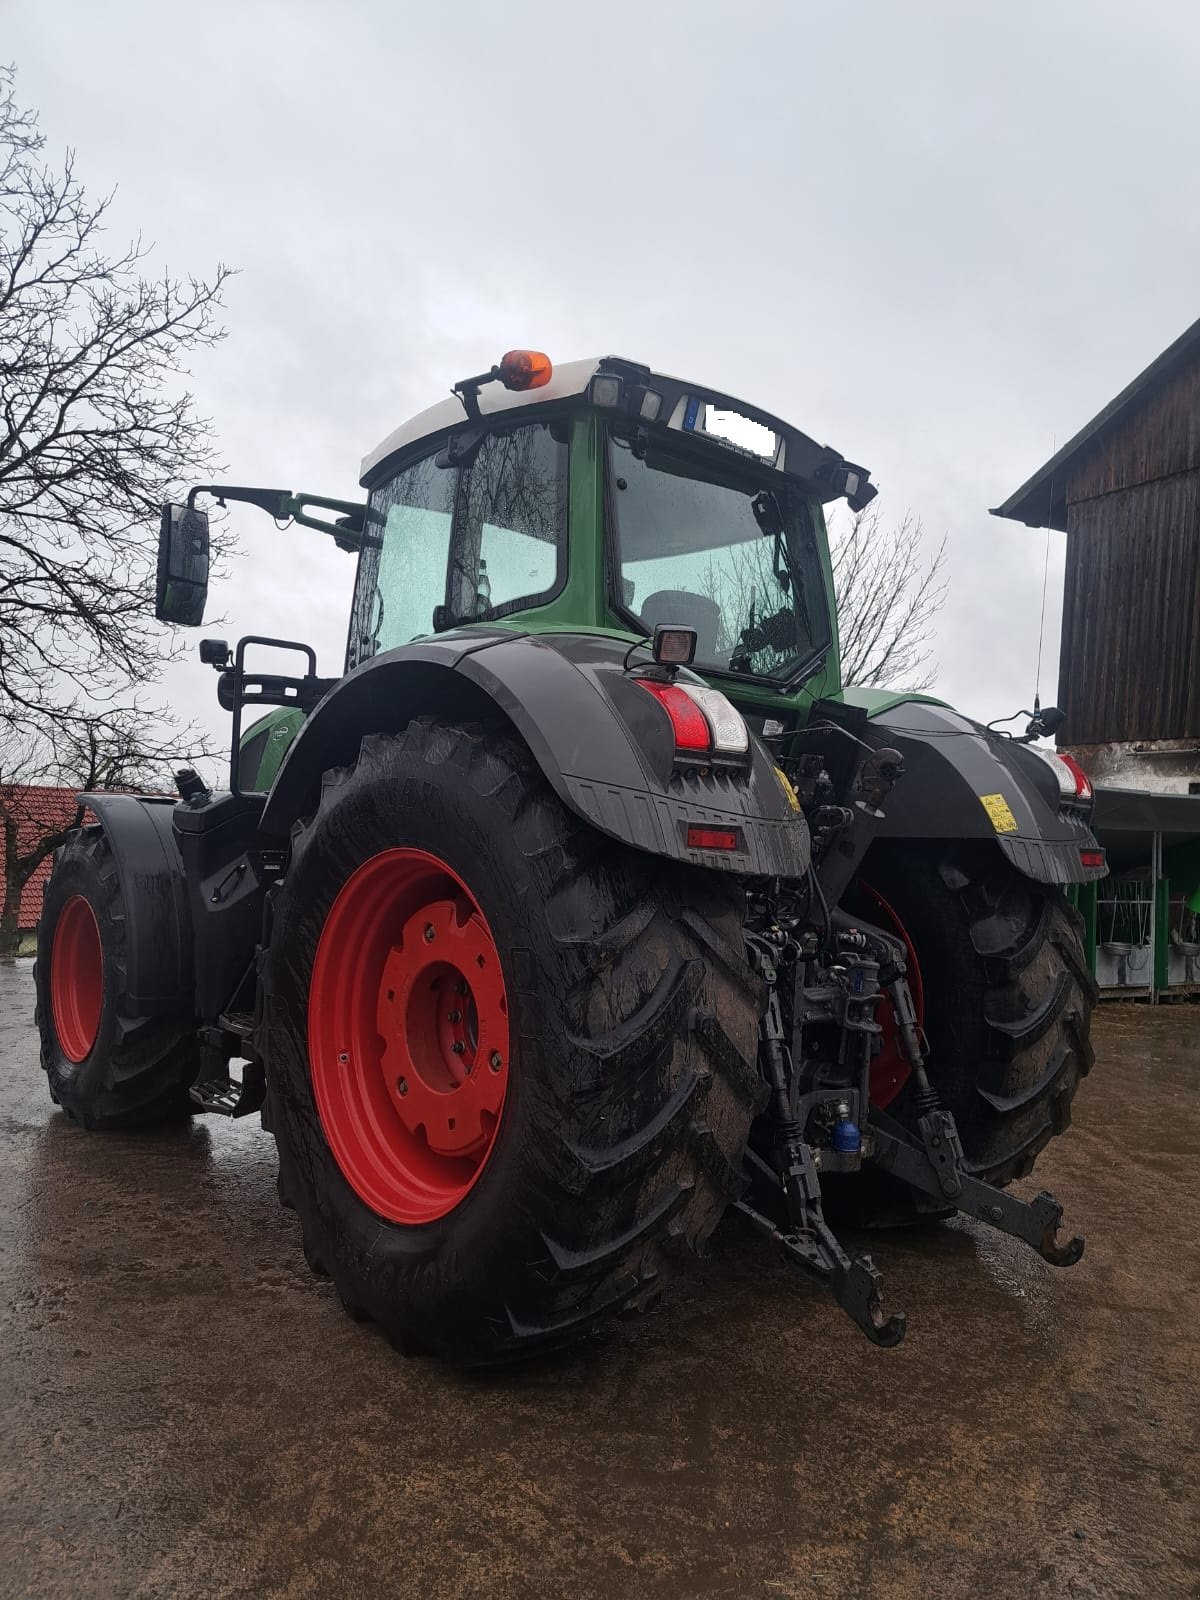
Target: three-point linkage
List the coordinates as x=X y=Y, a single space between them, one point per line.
x=785 y=1178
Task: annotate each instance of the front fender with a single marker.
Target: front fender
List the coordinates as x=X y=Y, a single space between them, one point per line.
x=600 y=741
x=963 y=782
x=159 y=976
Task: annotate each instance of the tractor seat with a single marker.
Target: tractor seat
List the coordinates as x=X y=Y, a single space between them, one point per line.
x=682 y=608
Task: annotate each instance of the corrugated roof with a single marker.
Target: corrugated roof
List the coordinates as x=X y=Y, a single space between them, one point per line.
x=1146 y=811
x=1042 y=501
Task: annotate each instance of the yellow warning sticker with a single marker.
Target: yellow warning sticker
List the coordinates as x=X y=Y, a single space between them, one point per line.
x=1000 y=812
x=785 y=785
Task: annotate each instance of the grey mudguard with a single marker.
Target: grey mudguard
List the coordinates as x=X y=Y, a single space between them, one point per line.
x=158 y=930
x=604 y=744
x=954 y=770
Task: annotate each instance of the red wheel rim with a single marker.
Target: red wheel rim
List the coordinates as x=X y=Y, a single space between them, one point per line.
x=408 y=1035
x=891 y=1068
x=76 y=979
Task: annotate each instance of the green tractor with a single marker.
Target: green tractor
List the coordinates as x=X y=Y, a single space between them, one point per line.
x=588 y=903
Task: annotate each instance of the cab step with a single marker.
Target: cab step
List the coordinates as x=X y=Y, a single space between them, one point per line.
x=226 y=1097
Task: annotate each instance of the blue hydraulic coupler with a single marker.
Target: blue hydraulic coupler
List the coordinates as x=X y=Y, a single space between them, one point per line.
x=846 y=1138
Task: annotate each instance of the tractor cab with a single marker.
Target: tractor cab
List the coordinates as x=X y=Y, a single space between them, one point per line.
x=603 y=495
x=595 y=497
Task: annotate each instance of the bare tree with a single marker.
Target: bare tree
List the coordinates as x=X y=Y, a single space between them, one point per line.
x=122 y=749
x=95 y=432
x=888 y=593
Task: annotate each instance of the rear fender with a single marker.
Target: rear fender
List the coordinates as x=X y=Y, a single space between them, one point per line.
x=603 y=745
x=963 y=782
x=158 y=928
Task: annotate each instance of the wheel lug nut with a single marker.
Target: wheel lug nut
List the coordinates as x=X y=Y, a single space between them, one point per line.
x=458 y=1047
x=401 y=1085
x=495 y=1062
x=454 y=1016
x=429 y=933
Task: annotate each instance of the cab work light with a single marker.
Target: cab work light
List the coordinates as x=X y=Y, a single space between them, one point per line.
x=605 y=390
x=674 y=647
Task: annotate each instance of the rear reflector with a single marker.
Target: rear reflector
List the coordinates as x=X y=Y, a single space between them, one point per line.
x=1091 y=858
x=712 y=838
x=687 y=719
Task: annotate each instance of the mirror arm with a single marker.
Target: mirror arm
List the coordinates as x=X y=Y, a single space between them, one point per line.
x=268 y=500
x=460 y=448
x=348 y=531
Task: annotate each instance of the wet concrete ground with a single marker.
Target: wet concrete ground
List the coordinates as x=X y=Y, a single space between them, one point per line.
x=184 y=1410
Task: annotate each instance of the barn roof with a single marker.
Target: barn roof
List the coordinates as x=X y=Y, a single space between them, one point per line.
x=1042 y=501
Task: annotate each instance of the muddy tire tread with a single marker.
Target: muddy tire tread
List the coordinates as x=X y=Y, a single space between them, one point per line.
x=145 y=1065
x=648 y=1111
x=1011 y=1045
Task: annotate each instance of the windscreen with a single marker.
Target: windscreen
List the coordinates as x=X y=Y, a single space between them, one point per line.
x=693 y=548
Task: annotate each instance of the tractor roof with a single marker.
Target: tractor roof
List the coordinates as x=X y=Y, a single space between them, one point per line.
x=677 y=405
x=570 y=378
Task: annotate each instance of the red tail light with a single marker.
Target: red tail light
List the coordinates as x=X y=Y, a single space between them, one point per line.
x=703 y=719
x=1083 y=784
x=687 y=719
x=1091 y=858
x=1073 y=782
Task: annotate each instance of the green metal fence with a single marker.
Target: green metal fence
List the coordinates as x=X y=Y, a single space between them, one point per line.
x=1142 y=923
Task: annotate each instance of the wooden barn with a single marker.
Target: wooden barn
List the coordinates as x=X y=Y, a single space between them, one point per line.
x=1126 y=491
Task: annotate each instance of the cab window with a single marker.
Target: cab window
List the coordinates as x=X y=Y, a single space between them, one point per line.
x=510 y=535
x=402 y=569
x=469 y=544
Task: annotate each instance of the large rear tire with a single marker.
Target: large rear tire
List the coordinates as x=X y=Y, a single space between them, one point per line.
x=617 y=1044
x=1007 y=996
x=107 y=1065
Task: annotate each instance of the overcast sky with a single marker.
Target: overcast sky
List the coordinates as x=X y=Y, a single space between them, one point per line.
x=938 y=236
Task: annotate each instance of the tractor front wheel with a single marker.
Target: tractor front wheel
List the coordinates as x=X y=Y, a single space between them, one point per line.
x=108 y=1065
x=510 y=1064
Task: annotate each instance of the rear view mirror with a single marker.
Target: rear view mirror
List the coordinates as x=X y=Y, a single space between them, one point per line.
x=182 y=586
